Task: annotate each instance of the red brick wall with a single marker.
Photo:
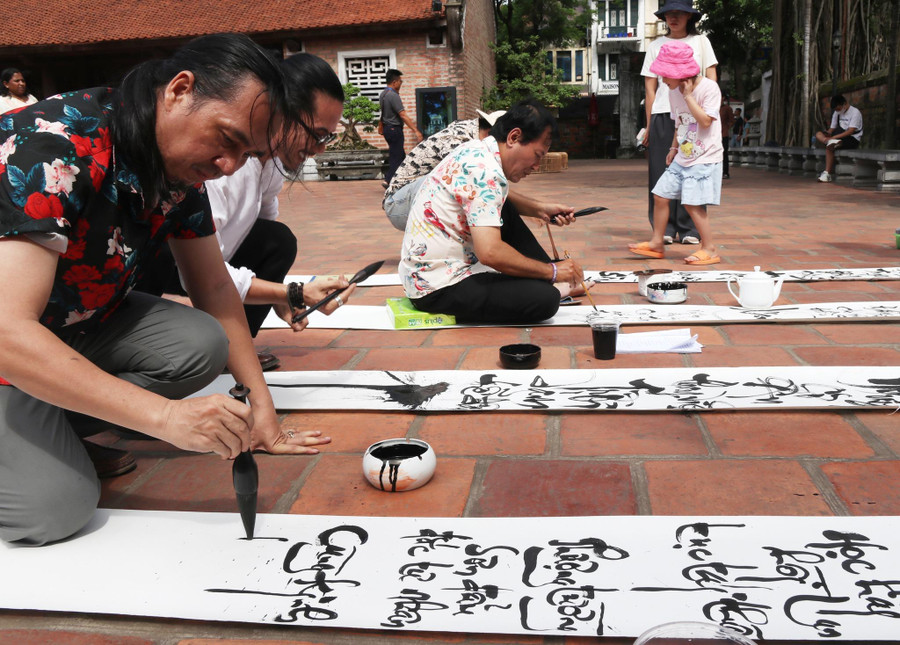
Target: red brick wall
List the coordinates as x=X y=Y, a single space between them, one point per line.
x=469 y=70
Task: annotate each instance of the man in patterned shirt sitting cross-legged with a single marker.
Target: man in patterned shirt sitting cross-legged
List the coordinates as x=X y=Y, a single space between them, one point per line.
x=465 y=252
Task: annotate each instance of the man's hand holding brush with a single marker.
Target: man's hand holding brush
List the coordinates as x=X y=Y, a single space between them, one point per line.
x=303 y=295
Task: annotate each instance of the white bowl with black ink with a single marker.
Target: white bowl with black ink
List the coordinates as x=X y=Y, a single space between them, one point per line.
x=396 y=465
x=649 y=275
x=666 y=293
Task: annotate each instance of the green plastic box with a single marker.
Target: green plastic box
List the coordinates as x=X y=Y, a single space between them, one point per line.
x=405 y=316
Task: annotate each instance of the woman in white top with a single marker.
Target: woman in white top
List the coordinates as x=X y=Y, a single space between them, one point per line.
x=681 y=20
x=14 y=93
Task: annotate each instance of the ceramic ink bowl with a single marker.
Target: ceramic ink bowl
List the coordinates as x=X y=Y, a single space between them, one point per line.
x=520 y=357
x=646 y=275
x=666 y=293
x=396 y=465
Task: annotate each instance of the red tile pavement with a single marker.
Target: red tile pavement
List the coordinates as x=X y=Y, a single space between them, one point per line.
x=488 y=434
x=542 y=464
x=545 y=488
x=732 y=487
x=805 y=433
x=621 y=433
x=864 y=486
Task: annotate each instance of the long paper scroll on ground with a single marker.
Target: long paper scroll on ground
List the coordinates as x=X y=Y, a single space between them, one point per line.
x=681 y=389
x=779 y=578
x=377 y=317
x=797 y=275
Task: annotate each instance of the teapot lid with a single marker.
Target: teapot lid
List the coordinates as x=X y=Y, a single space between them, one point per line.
x=757 y=276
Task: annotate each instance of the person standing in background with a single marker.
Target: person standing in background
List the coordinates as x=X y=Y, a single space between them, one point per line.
x=726 y=118
x=14 y=93
x=737 y=130
x=681 y=20
x=393 y=116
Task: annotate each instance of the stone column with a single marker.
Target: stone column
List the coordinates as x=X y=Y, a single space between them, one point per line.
x=629 y=103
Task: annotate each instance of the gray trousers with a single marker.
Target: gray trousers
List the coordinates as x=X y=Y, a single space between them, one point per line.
x=397 y=205
x=48 y=486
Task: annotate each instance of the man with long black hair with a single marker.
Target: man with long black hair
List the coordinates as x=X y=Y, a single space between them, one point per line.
x=92 y=183
x=257 y=248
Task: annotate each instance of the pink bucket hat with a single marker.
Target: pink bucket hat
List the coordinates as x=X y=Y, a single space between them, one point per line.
x=675 y=60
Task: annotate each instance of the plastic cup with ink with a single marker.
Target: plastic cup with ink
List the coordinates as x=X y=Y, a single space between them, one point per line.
x=604 y=331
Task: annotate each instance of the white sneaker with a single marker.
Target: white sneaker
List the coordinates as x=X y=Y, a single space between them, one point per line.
x=690 y=239
x=825 y=177
x=668 y=239
x=833 y=142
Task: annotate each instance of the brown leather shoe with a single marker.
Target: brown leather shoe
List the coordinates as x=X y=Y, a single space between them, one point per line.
x=109 y=462
x=268 y=361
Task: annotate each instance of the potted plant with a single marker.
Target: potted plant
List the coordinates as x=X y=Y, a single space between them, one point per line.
x=351 y=156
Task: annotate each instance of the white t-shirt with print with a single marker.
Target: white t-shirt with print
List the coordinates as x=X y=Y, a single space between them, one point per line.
x=703 y=54
x=468 y=188
x=696 y=144
x=849 y=118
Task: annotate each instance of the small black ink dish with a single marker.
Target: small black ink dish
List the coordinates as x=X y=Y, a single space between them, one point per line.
x=523 y=356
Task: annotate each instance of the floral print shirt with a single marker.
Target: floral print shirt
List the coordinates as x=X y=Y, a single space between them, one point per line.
x=62 y=185
x=466 y=189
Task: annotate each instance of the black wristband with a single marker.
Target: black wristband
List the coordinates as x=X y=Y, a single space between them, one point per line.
x=295 y=295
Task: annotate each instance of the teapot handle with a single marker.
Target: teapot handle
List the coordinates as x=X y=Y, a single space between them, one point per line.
x=728 y=284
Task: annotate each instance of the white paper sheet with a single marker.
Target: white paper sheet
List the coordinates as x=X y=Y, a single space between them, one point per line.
x=784 y=578
x=377 y=317
x=681 y=389
x=667 y=341
x=797 y=275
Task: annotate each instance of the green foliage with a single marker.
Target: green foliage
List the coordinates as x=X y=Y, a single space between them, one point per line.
x=524 y=71
x=552 y=22
x=359 y=110
x=740 y=32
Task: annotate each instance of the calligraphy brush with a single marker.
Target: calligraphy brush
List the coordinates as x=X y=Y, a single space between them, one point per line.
x=359 y=277
x=552 y=245
x=245 y=474
x=584 y=286
x=585 y=211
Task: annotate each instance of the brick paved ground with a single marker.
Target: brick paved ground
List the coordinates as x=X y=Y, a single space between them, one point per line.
x=779 y=463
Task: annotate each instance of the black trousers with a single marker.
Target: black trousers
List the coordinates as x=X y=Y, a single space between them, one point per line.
x=269 y=250
x=726 y=144
x=494 y=297
x=662 y=131
x=393 y=134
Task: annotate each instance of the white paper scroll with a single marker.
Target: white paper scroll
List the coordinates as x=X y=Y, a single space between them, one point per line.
x=781 y=578
x=682 y=389
x=797 y=275
x=377 y=317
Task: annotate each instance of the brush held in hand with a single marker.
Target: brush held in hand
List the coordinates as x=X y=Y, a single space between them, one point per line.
x=585 y=211
x=245 y=475
x=358 y=277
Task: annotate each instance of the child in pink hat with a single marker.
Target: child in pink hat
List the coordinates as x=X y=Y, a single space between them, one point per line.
x=694 y=173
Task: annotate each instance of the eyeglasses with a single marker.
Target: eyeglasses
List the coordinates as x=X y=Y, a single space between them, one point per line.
x=320 y=139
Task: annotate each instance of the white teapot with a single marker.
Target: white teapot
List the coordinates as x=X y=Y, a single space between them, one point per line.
x=757 y=290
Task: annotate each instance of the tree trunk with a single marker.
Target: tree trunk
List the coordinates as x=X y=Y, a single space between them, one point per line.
x=890 y=113
x=804 y=99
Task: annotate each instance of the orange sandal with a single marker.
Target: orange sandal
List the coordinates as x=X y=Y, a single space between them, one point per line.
x=702 y=257
x=643 y=248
